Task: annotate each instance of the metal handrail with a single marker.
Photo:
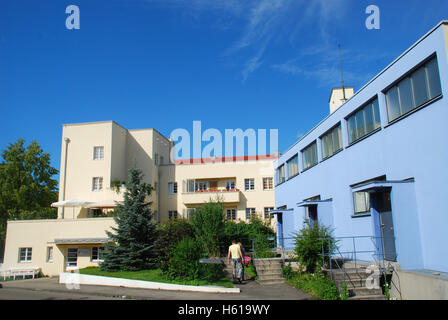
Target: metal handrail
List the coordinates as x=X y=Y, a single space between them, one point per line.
x=376 y=253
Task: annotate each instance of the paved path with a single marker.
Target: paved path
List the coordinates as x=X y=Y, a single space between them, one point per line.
x=49 y=288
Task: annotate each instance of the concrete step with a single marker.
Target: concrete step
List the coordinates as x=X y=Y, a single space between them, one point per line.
x=364 y=291
x=371 y=297
x=267 y=276
x=350 y=284
x=264 y=270
x=270 y=281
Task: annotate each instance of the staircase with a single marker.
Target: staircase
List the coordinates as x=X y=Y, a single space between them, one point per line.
x=269 y=271
x=356 y=280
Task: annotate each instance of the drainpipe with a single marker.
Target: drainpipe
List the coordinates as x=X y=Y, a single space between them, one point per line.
x=67 y=140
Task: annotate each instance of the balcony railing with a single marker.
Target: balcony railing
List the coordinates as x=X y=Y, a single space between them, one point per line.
x=201 y=196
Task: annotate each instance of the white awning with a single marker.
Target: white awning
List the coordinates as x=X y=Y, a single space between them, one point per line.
x=71 y=203
x=103 y=204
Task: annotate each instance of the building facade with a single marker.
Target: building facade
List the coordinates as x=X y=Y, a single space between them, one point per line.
x=374 y=170
x=95 y=159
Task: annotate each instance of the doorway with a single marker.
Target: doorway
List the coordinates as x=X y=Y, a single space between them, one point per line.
x=381 y=202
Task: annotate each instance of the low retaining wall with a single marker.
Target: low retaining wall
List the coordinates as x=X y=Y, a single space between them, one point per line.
x=74 y=279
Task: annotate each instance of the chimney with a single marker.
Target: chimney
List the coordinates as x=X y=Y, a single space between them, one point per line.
x=339 y=96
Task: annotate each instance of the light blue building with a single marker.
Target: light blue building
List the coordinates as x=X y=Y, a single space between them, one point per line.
x=376 y=169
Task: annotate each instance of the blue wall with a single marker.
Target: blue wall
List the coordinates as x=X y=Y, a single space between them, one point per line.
x=413 y=147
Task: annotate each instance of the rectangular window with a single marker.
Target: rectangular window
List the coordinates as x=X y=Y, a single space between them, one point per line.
x=188 y=213
x=361 y=202
x=25 y=254
x=267 y=215
x=231 y=214
x=249 y=213
x=281 y=174
x=156 y=159
x=309 y=156
x=364 y=121
x=98 y=153
x=331 y=142
x=172 y=214
x=293 y=166
x=97 y=183
x=267 y=184
x=249 y=184
x=49 y=254
x=416 y=89
x=172 y=188
x=97 y=254
x=72 y=257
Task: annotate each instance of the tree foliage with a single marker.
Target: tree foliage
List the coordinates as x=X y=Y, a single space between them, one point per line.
x=135 y=233
x=26 y=185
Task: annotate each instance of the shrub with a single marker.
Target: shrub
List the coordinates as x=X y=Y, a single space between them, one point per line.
x=211 y=272
x=311 y=242
x=170 y=234
x=287 y=271
x=319 y=286
x=184 y=261
x=208 y=225
x=263 y=247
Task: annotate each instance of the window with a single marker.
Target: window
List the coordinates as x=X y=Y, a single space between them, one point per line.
x=172 y=188
x=25 y=254
x=97 y=184
x=331 y=142
x=364 y=121
x=361 y=202
x=281 y=174
x=267 y=215
x=309 y=156
x=188 y=213
x=231 y=214
x=249 y=213
x=98 y=153
x=156 y=159
x=293 y=166
x=72 y=257
x=172 y=214
x=49 y=254
x=161 y=160
x=249 y=184
x=414 y=90
x=97 y=253
x=267 y=184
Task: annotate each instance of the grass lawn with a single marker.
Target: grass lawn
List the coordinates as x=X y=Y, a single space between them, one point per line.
x=155 y=275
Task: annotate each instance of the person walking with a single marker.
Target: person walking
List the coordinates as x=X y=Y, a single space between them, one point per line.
x=237 y=257
x=243 y=254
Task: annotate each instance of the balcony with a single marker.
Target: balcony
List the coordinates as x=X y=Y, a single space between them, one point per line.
x=199 y=197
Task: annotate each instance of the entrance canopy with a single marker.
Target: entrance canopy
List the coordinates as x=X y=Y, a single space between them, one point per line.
x=378 y=185
x=82 y=240
x=71 y=203
x=105 y=204
x=312 y=203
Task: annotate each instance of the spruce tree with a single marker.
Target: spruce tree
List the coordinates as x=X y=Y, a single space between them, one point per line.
x=135 y=233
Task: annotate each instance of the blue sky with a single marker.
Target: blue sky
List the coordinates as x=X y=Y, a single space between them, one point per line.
x=164 y=63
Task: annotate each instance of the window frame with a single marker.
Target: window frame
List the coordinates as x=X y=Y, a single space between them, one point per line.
x=280 y=179
x=296 y=156
x=395 y=85
x=330 y=131
x=374 y=101
x=172 y=188
x=100 y=256
x=269 y=184
x=233 y=214
x=28 y=254
x=251 y=184
x=249 y=212
x=303 y=151
x=100 y=184
x=100 y=153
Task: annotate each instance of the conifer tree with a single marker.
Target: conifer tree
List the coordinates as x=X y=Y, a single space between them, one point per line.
x=135 y=233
